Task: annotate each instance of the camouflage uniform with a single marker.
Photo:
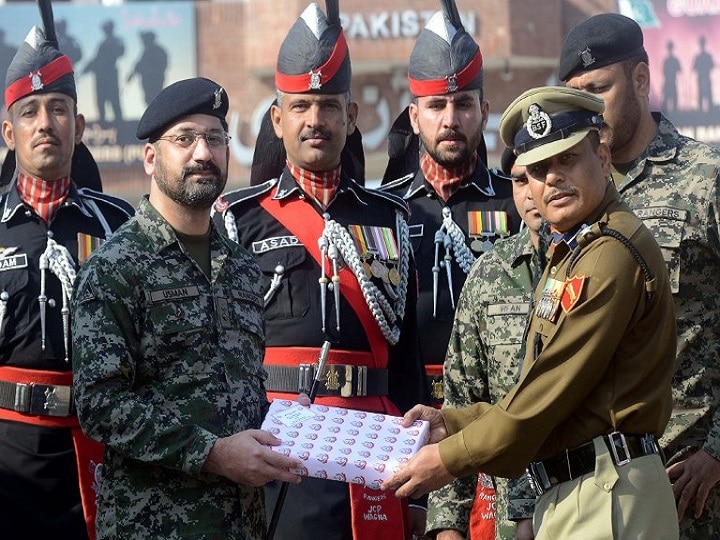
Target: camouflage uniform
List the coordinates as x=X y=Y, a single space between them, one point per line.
x=167 y=362
x=482 y=365
x=673 y=188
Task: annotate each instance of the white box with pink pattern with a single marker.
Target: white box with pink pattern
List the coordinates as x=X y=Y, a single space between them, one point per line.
x=347 y=445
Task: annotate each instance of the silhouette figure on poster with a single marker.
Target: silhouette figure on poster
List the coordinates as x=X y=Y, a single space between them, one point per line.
x=671 y=68
x=104 y=65
x=7 y=52
x=703 y=65
x=67 y=44
x=150 y=66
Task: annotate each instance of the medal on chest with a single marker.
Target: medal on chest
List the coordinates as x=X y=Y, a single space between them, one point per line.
x=482 y=226
x=548 y=306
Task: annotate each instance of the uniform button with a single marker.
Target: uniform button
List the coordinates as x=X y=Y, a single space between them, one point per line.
x=607 y=486
x=553 y=270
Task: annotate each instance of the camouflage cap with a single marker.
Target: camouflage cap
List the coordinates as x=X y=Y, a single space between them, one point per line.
x=445 y=58
x=545 y=121
x=600 y=41
x=183 y=98
x=314 y=56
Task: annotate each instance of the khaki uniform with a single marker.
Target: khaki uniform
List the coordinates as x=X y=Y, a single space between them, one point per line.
x=604 y=364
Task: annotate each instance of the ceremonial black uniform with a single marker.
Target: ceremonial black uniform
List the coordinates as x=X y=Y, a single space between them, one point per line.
x=39 y=492
x=293 y=319
x=484 y=191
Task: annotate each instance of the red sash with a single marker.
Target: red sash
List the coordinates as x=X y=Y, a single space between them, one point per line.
x=373 y=513
x=482 y=516
x=298 y=217
x=89 y=454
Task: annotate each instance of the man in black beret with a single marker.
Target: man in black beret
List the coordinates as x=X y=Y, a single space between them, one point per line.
x=48 y=226
x=337 y=267
x=671 y=181
x=177 y=400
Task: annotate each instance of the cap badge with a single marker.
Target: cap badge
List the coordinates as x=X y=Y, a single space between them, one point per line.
x=36 y=81
x=587 y=58
x=538 y=123
x=218 y=98
x=452 y=83
x=315 y=83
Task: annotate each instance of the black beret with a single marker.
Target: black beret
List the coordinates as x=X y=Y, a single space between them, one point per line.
x=600 y=41
x=314 y=56
x=38 y=67
x=180 y=99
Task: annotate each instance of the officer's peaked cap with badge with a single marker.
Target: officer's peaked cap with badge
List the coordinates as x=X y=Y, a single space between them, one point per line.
x=600 y=41
x=445 y=58
x=545 y=121
x=183 y=98
x=314 y=57
x=38 y=65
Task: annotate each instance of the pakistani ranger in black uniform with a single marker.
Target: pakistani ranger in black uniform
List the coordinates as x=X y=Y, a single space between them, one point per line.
x=458 y=207
x=48 y=226
x=337 y=264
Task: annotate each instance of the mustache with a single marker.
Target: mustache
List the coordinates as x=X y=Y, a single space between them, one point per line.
x=453 y=135
x=558 y=194
x=208 y=166
x=45 y=137
x=315 y=134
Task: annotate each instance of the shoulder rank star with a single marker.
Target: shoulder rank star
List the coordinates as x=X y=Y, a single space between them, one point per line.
x=571 y=293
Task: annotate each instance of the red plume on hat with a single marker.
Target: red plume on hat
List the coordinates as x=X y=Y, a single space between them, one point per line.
x=38 y=65
x=445 y=58
x=314 y=56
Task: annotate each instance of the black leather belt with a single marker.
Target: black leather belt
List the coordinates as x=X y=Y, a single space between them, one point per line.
x=343 y=380
x=576 y=462
x=39 y=399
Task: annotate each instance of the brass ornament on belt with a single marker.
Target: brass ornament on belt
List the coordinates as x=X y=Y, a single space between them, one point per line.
x=332 y=379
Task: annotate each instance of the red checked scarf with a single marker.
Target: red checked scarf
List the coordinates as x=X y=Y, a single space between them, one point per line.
x=321 y=187
x=44 y=197
x=444 y=181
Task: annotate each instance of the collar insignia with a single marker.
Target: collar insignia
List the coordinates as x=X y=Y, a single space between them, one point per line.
x=587 y=58
x=538 y=123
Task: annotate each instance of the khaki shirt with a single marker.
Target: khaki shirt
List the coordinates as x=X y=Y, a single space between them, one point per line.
x=604 y=363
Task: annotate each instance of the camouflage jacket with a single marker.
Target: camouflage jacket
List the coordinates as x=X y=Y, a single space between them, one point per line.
x=482 y=364
x=166 y=362
x=673 y=188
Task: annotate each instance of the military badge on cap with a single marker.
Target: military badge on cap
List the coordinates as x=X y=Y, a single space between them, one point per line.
x=38 y=65
x=538 y=123
x=314 y=56
x=445 y=58
x=548 y=120
x=197 y=95
x=587 y=58
x=600 y=41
